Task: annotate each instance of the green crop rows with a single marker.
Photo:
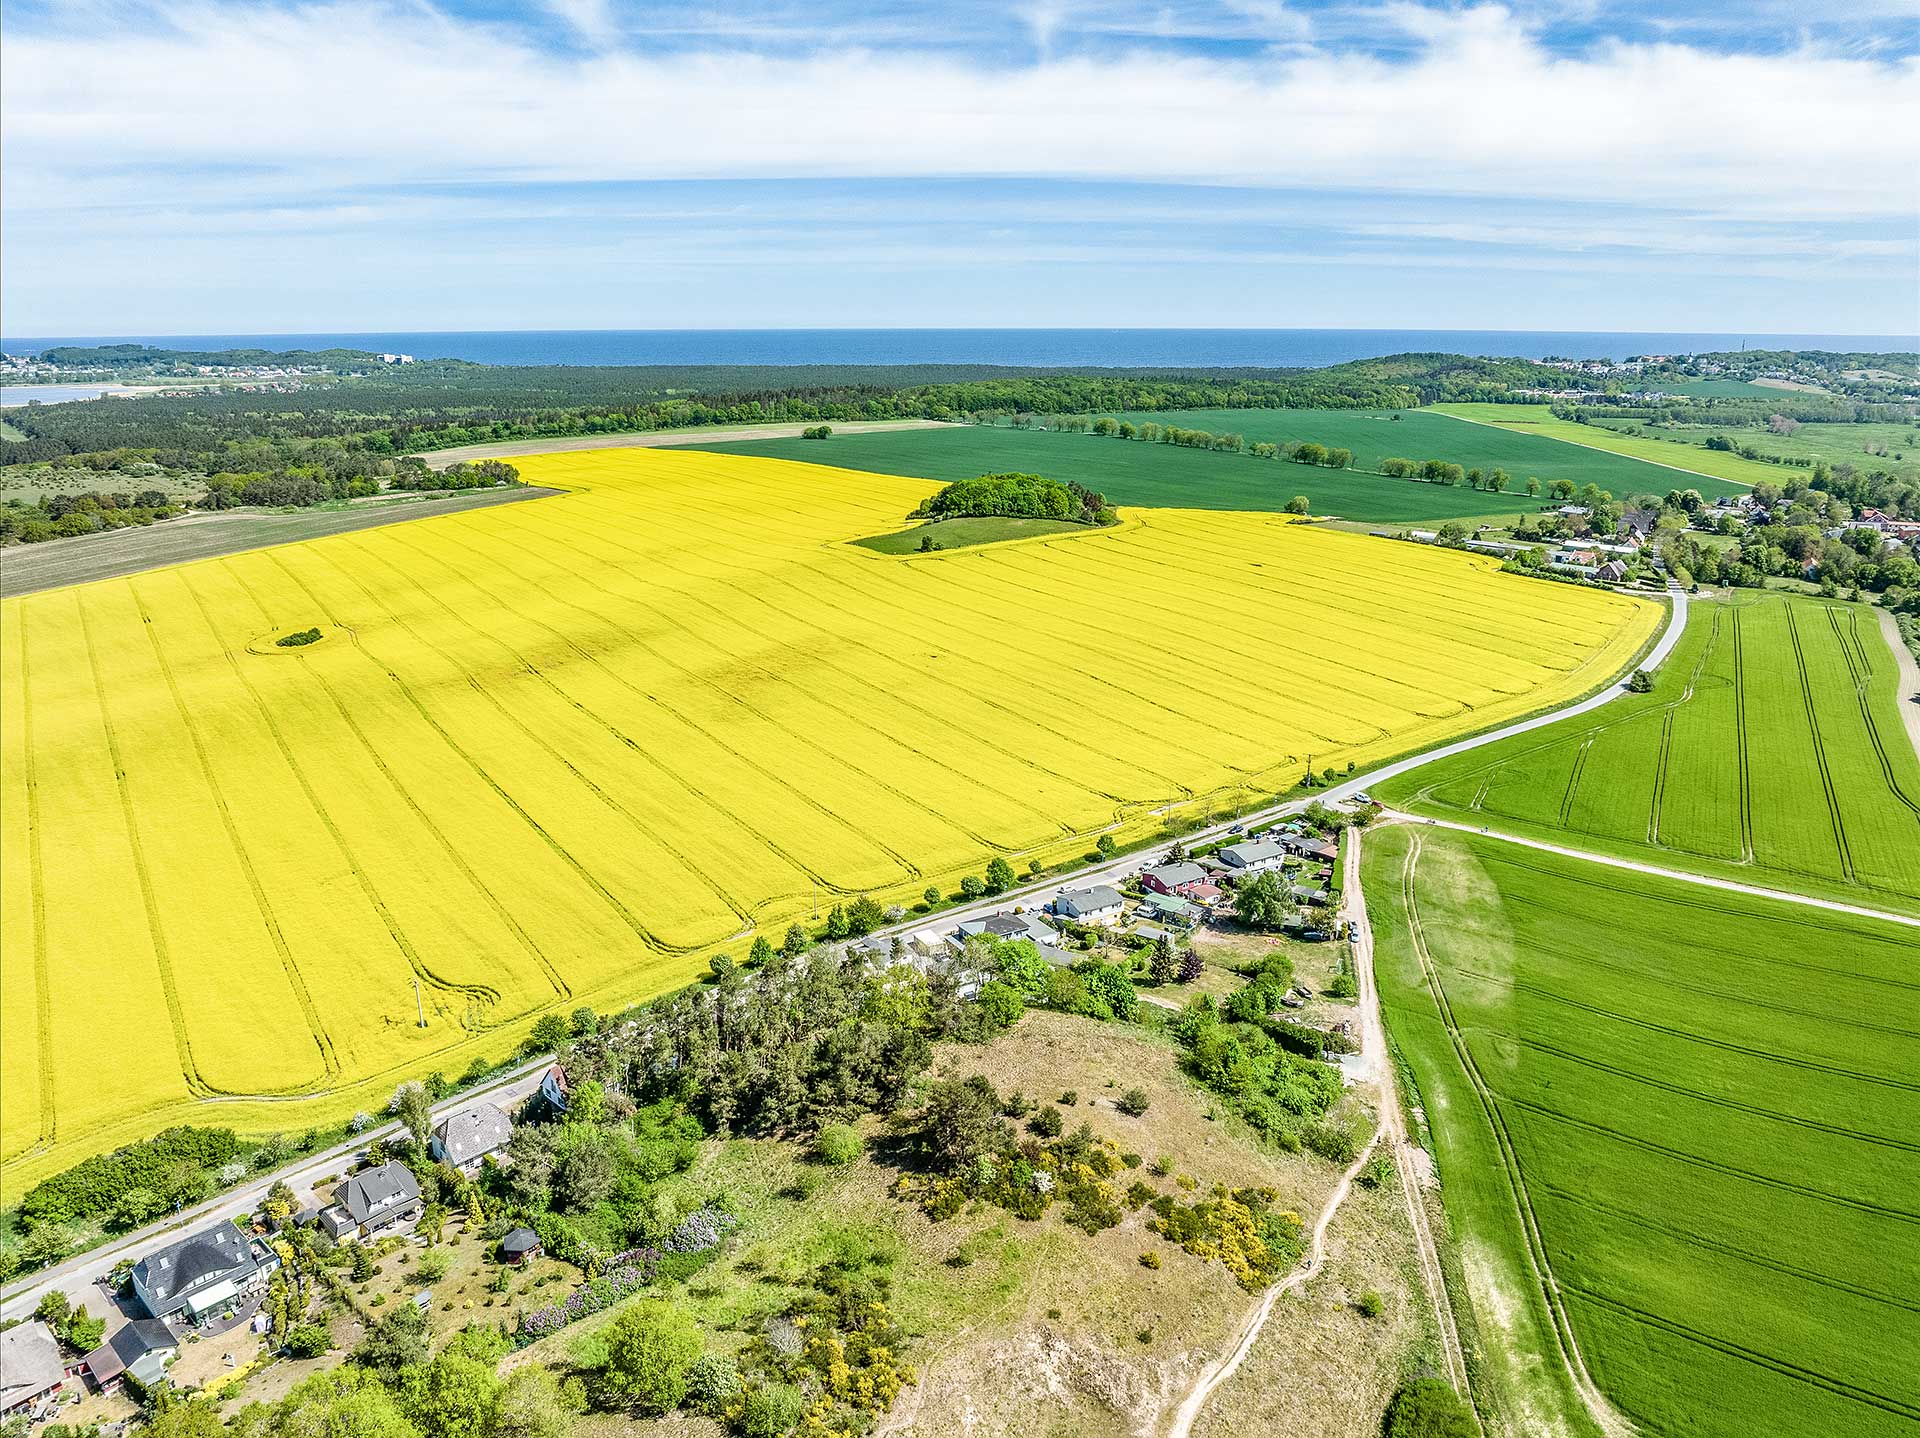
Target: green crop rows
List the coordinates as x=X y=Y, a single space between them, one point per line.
x=1770 y=748
x=1678 y=1129
x=1163 y=476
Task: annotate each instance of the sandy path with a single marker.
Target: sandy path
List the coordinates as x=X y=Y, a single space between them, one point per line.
x=662 y=439
x=1908 y=697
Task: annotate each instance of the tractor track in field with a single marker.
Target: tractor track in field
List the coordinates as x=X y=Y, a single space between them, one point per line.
x=1742 y=1253
x=402 y=944
x=1820 y=751
x=1860 y=667
x=296 y=981
x=1610 y=1421
x=37 y=870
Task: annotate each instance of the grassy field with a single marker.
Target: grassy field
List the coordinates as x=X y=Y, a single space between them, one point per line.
x=559 y=753
x=1714 y=388
x=1421 y=434
x=1704 y=465
x=1692 y=1114
x=1892 y=447
x=1132 y=473
x=1770 y=748
x=967 y=533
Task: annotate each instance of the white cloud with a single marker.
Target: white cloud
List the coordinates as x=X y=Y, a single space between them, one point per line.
x=349 y=93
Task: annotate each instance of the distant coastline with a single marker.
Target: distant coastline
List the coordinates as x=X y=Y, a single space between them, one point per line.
x=1116 y=348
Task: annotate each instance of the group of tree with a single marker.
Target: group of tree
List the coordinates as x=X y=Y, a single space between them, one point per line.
x=66 y=516
x=1014 y=495
x=1283 y=1095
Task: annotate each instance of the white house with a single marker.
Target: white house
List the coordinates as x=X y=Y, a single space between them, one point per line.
x=379 y=1201
x=1251 y=856
x=1097 y=905
x=465 y=1138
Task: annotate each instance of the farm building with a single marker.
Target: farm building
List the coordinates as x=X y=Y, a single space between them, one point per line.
x=140 y=1350
x=202 y=1273
x=31 y=1368
x=1097 y=905
x=1173 y=878
x=380 y=1201
x=464 y=1138
x=1250 y=856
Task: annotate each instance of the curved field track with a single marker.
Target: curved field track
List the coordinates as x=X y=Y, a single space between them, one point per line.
x=560 y=753
x=1704 y=1208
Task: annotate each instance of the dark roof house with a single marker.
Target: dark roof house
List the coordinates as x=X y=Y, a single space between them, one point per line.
x=140 y=1350
x=200 y=1272
x=374 y=1201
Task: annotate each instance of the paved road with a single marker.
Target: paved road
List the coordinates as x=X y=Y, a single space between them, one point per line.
x=1730 y=885
x=82 y=1269
x=661 y=439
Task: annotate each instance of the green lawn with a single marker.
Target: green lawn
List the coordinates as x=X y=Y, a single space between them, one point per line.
x=1707 y=466
x=967 y=533
x=1374 y=435
x=1770 y=749
x=1715 y=388
x=1892 y=447
x=1154 y=476
x=1695 y=1113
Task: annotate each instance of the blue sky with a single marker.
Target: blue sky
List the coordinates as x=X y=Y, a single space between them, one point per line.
x=183 y=166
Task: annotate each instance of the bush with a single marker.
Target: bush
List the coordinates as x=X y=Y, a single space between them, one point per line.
x=1427 y=1408
x=1370 y=1305
x=1330 y=1141
x=650 y=1348
x=1069 y=1098
x=1047 y=1122
x=713 y=1383
x=308 y=1340
x=433 y=1266
x=837 y=1144
x=1149 y=1260
x=769 y=1411
x=1133 y=1102
x=1378 y=1170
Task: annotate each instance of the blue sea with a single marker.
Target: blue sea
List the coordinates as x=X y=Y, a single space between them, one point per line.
x=1052 y=347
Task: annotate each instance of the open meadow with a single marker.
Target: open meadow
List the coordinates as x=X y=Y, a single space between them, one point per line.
x=1676 y=1133
x=560 y=752
x=1703 y=465
x=1770 y=749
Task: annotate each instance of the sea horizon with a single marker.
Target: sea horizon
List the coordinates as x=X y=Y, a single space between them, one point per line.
x=1039 y=347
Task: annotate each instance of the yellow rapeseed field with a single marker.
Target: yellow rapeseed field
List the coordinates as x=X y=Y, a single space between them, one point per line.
x=560 y=752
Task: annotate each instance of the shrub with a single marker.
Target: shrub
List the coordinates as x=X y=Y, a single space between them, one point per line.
x=1330 y=1141
x=1149 y=1260
x=1133 y=1102
x=650 y=1347
x=1378 y=1170
x=837 y=1144
x=1370 y=1305
x=713 y=1383
x=1427 y=1408
x=1069 y=1098
x=308 y=1340
x=1047 y=1122
x=769 y=1411
x=433 y=1266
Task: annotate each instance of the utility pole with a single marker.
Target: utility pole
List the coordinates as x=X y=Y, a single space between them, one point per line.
x=418 y=1003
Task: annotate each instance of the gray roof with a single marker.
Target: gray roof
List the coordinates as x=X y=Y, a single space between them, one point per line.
x=378 y=1192
x=217 y=1251
x=521 y=1240
x=30 y=1362
x=1252 y=851
x=1087 y=901
x=1174 y=875
x=128 y=1346
x=474 y=1131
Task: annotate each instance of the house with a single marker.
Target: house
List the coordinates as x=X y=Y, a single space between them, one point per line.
x=379 y=1201
x=1308 y=847
x=1008 y=926
x=554 y=1089
x=520 y=1246
x=1250 y=856
x=931 y=943
x=464 y=1138
x=140 y=1350
x=1612 y=572
x=1172 y=878
x=1097 y=905
x=202 y=1273
x=1173 y=908
x=1302 y=894
x=31 y=1368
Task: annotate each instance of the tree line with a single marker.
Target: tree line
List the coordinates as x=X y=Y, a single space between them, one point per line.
x=1018 y=496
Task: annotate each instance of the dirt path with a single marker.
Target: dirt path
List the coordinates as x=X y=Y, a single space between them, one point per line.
x=1392 y=1132
x=661 y=439
x=1908 y=697
x=1634 y=866
x=1610 y=1421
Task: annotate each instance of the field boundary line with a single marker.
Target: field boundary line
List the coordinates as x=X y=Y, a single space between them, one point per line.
x=1907 y=673
x=1861 y=684
x=1820 y=750
x=1660 y=872
x=1597 y=449
x=37 y=868
x=1740 y=733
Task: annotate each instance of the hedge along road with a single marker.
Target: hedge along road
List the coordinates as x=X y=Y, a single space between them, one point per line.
x=130 y=1248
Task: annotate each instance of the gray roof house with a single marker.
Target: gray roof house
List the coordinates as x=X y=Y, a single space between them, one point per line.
x=1097 y=905
x=30 y=1365
x=1252 y=855
x=140 y=1351
x=464 y=1138
x=1009 y=926
x=380 y=1200
x=202 y=1272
